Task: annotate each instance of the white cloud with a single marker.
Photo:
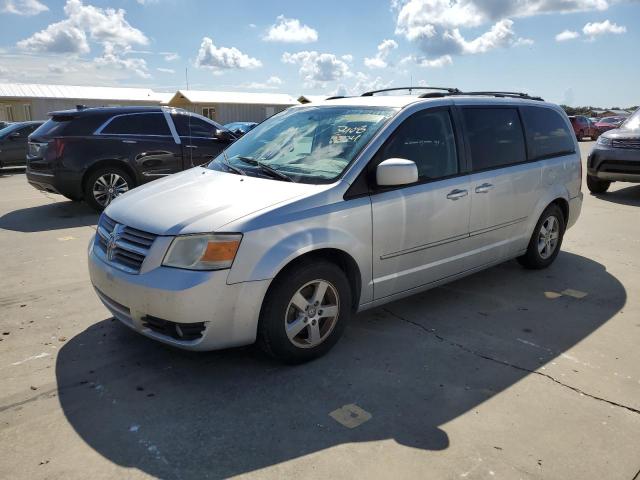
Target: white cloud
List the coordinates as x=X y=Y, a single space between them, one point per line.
x=223 y=58
x=252 y=25
x=59 y=37
x=567 y=35
x=435 y=25
x=290 y=30
x=523 y=42
x=105 y=26
x=384 y=50
x=23 y=7
x=112 y=58
x=317 y=68
x=438 y=62
x=595 y=29
x=166 y=70
x=347 y=58
x=272 y=82
x=170 y=56
x=363 y=83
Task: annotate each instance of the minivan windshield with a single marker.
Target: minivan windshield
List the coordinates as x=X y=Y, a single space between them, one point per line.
x=311 y=144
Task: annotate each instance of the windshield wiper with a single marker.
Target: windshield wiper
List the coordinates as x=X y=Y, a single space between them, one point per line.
x=225 y=162
x=265 y=168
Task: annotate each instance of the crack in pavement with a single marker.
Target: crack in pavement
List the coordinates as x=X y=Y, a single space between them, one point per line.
x=517 y=367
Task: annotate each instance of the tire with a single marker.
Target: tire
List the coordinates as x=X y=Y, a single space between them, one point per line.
x=595 y=185
x=289 y=305
x=540 y=256
x=112 y=177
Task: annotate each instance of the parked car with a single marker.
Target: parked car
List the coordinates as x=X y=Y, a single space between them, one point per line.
x=331 y=208
x=13 y=143
x=96 y=154
x=240 y=128
x=608 y=123
x=4 y=124
x=583 y=127
x=615 y=156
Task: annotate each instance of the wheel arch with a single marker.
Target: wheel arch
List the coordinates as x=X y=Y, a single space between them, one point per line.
x=109 y=163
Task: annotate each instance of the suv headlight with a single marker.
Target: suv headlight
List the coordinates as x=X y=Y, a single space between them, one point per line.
x=604 y=141
x=203 y=252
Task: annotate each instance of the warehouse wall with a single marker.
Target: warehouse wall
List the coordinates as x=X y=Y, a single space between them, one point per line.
x=233 y=112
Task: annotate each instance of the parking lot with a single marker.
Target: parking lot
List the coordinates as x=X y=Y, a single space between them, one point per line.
x=508 y=373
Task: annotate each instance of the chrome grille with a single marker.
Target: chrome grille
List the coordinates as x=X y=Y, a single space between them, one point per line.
x=121 y=246
x=626 y=143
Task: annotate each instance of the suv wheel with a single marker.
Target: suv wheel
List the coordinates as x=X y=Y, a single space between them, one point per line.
x=305 y=312
x=105 y=184
x=546 y=240
x=595 y=185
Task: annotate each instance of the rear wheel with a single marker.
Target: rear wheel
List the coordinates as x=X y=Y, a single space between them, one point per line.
x=105 y=184
x=595 y=185
x=546 y=240
x=305 y=312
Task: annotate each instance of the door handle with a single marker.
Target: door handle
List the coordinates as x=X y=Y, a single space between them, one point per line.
x=129 y=141
x=456 y=194
x=193 y=147
x=484 y=188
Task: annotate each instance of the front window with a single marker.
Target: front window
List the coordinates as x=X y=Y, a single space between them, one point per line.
x=633 y=122
x=306 y=144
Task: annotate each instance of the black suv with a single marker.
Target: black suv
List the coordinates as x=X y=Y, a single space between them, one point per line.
x=96 y=154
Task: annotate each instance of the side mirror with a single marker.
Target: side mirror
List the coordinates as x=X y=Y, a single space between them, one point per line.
x=396 y=171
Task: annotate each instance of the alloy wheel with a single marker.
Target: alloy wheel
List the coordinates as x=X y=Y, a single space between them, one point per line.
x=109 y=186
x=312 y=314
x=548 y=237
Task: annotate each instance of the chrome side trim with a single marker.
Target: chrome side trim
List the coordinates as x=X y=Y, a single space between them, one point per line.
x=497 y=227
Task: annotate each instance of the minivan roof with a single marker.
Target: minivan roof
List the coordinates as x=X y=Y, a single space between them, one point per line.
x=401 y=101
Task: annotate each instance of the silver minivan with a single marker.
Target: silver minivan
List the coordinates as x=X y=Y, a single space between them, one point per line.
x=328 y=209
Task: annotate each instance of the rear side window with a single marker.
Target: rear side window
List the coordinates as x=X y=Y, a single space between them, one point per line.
x=547 y=133
x=495 y=137
x=138 y=124
x=53 y=127
x=192 y=126
x=427 y=138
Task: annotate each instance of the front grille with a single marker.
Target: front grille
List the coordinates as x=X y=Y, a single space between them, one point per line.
x=121 y=246
x=179 y=331
x=626 y=143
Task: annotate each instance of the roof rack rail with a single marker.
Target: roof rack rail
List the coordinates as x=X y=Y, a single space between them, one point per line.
x=336 y=97
x=451 y=90
x=522 y=95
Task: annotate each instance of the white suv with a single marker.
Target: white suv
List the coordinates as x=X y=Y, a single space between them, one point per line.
x=328 y=209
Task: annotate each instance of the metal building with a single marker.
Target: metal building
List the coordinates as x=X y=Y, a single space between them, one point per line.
x=225 y=107
x=22 y=101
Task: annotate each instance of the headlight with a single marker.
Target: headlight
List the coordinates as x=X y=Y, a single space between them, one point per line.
x=203 y=252
x=604 y=141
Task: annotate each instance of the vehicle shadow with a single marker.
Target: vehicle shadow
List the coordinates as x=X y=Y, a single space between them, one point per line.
x=11 y=171
x=625 y=196
x=414 y=365
x=52 y=216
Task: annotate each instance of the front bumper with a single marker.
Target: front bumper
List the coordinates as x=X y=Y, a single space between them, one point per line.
x=615 y=164
x=230 y=312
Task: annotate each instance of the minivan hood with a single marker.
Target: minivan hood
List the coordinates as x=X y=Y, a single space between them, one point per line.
x=200 y=200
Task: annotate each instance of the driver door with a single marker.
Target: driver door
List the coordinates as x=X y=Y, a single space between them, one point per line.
x=420 y=231
x=199 y=142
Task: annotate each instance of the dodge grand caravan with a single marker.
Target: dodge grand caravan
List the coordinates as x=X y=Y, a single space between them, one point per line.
x=328 y=209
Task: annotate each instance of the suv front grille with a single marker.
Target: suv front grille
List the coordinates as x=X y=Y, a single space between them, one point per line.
x=626 y=143
x=121 y=246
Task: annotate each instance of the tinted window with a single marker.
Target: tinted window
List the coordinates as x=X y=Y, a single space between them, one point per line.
x=190 y=125
x=547 y=133
x=138 y=124
x=426 y=138
x=495 y=137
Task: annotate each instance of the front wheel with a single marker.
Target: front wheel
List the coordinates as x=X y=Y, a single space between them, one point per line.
x=546 y=240
x=595 y=185
x=305 y=312
x=105 y=184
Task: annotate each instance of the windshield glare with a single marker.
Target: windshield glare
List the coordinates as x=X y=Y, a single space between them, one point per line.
x=633 y=122
x=308 y=144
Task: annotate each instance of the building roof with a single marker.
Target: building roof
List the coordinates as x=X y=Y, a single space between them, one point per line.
x=36 y=90
x=204 y=96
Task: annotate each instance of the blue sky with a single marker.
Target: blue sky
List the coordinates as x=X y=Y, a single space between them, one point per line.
x=568 y=51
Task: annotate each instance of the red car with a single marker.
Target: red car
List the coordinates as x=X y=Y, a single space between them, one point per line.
x=609 y=123
x=583 y=127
